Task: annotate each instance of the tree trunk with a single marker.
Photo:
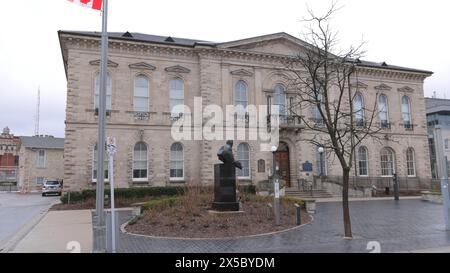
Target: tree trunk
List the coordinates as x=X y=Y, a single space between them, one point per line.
x=345 y=206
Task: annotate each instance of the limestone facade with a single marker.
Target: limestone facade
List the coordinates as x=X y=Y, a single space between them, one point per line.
x=211 y=71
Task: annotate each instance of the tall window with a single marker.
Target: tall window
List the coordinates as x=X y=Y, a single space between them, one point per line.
x=406 y=112
x=387 y=162
x=363 y=161
x=243 y=156
x=105 y=164
x=176 y=161
x=446 y=142
x=141 y=94
x=383 y=111
x=316 y=111
x=240 y=97
x=411 y=162
x=140 y=161
x=279 y=98
x=176 y=96
x=41 y=159
x=358 y=108
x=108 y=91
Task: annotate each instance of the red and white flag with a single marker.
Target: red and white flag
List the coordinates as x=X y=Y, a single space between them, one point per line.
x=93 y=4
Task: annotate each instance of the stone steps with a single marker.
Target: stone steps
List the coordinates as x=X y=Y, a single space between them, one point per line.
x=308 y=194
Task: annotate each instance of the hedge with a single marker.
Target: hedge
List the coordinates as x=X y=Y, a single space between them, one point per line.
x=123 y=193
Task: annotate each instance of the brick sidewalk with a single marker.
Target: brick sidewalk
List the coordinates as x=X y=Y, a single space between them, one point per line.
x=404 y=226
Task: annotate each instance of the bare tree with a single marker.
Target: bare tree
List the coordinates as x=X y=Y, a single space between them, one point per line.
x=324 y=83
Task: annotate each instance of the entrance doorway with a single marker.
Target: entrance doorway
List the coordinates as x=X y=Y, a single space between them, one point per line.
x=282 y=161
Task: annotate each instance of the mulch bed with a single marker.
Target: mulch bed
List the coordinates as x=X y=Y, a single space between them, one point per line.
x=190 y=217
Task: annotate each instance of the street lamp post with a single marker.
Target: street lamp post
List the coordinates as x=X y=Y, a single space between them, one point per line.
x=321 y=150
x=276 y=186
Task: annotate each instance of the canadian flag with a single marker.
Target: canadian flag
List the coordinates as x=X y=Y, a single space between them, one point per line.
x=93 y=4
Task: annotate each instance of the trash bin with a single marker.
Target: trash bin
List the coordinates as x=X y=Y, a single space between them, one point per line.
x=387 y=191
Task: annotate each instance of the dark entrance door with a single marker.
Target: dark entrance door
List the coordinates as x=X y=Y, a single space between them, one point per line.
x=282 y=160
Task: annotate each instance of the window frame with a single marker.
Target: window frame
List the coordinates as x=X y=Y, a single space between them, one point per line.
x=141 y=97
x=97 y=91
x=410 y=149
x=361 y=110
x=176 y=179
x=408 y=100
x=44 y=163
x=393 y=162
x=386 y=109
x=366 y=161
x=240 y=160
x=172 y=113
x=140 y=179
x=94 y=166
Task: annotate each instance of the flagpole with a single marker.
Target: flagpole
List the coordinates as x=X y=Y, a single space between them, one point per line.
x=100 y=187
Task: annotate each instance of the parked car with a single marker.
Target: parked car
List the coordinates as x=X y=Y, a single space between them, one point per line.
x=51 y=187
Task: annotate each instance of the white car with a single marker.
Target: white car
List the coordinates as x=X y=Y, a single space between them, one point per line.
x=51 y=187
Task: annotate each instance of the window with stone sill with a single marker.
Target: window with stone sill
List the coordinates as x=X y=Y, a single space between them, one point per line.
x=108 y=92
x=140 y=159
x=105 y=165
x=243 y=156
x=176 y=162
x=40 y=159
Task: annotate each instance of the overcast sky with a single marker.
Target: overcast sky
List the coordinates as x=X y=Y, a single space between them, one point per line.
x=401 y=32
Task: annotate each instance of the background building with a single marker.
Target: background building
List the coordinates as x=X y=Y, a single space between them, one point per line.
x=148 y=75
x=40 y=158
x=9 y=160
x=438 y=113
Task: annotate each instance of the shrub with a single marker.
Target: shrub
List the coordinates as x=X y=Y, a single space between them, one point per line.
x=123 y=193
x=160 y=203
x=247 y=189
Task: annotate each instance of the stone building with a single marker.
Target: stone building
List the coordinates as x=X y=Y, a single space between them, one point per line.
x=9 y=160
x=148 y=75
x=40 y=158
x=438 y=113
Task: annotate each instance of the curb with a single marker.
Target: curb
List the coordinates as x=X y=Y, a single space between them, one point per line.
x=122 y=229
x=16 y=238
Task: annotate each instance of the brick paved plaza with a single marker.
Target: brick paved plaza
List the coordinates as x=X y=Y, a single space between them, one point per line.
x=403 y=226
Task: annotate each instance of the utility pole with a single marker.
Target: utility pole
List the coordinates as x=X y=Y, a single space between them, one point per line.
x=442 y=173
x=36 y=120
x=100 y=227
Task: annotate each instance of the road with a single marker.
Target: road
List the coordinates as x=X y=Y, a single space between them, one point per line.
x=18 y=211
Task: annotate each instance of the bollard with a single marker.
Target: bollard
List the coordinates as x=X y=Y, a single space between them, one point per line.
x=298 y=214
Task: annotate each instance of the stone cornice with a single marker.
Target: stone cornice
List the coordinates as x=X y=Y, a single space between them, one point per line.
x=358 y=84
x=142 y=66
x=177 y=69
x=383 y=87
x=144 y=48
x=406 y=89
x=110 y=63
x=241 y=72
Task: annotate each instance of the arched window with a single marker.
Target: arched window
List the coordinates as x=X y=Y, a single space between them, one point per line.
x=279 y=98
x=316 y=111
x=358 y=109
x=387 y=162
x=176 y=96
x=383 y=112
x=411 y=162
x=243 y=156
x=141 y=94
x=240 y=94
x=363 y=160
x=94 y=164
x=176 y=161
x=406 y=112
x=140 y=166
x=108 y=91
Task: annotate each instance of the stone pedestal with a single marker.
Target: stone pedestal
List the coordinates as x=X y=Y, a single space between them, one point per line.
x=225 y=188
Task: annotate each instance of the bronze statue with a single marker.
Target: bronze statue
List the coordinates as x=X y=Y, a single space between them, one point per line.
x=225 y=155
